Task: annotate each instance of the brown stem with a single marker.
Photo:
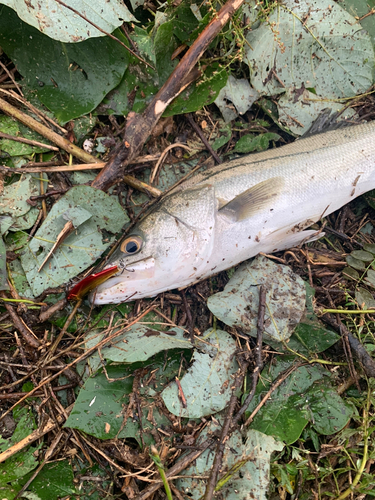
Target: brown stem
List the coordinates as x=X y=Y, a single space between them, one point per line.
x=3 y=135
x=202 y=137
x=139 y=127
x=46 y=132
x=27 y=334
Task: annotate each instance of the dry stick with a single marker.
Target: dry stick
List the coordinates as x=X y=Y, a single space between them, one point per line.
x=216 y=466
x=258 y=354
x=105 y=32
x=42 y=116
x=64 y=329
x=360 y=352
x=3 y=135
x=46 y=132
x=34 y=436
x=202 y=137
x=74 y=362
x=42 y=166
x=218 y=460
x=139 y=127
x=10 y=75
x=20 y=325
x=163 y=155
x=283 y=376
x=47 y=313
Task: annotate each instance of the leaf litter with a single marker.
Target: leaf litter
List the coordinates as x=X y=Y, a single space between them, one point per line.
x=155 y=383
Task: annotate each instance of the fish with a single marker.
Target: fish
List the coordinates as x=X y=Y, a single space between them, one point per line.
x=262 y=202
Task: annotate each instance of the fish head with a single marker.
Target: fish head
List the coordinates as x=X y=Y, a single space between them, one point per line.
x=169 y=248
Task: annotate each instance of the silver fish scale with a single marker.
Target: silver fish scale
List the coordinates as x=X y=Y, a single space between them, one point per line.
x=189 y=235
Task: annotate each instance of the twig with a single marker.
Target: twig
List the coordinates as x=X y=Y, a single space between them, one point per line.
x=64 y=329
x=105 y=32
x=228 y=425
x=163 y=155
x=61 y=237
x=26 y=333
x=83 y=356
x=258 y=354
x=35 y=167
x=360 y=352
x=260 y=327
x=202 y=137
x=49 y=453
x=46 y=132
x=47 y=313
x=138 y=128
x=42 y=116
x=34 y=436
x=11 y=76
x=218 y=460
x=3 y=135
x=283 y=376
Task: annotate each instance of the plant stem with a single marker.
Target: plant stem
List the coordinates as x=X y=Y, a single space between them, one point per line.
x=362 y=467
x=156 y=458
x=347 y=311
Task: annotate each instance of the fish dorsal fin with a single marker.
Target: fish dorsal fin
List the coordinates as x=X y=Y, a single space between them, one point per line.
x=253 y=200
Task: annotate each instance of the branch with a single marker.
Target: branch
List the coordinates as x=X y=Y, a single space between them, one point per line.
x=139 y=127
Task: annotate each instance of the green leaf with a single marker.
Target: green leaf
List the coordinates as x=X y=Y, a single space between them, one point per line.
x=10 y=126
x=364 y=298
x=316 y=44
x=184 y=22
x=362 y=255
x=164 y=46
x=54 y=481
x=60 y=23
x=18 y=277
x=350 y=273
x=199 y=94
x=358 y=9
x=301 y=398
x=238 y=304
x=223 y=139
x=356 y=263
x=13 y=200
x=70 y=79
x=310 y=336
x=240 y=94
x=24 y=461
x=206 y=385
x=370 y=278
x=139 y=343
x=25 y=221
x=82 y=247
x=102 y=402
x=330 y=412
x=250 y=142
x=249 y=476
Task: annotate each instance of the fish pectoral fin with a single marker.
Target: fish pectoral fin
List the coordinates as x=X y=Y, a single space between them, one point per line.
x=253 y=200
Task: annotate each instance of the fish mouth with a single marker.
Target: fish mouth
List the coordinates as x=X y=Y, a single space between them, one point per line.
x=111 y=276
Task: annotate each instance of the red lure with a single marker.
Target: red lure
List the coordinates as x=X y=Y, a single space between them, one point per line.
x=90 y=282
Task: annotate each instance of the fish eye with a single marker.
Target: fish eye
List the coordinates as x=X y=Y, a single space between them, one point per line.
x=131 y=245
